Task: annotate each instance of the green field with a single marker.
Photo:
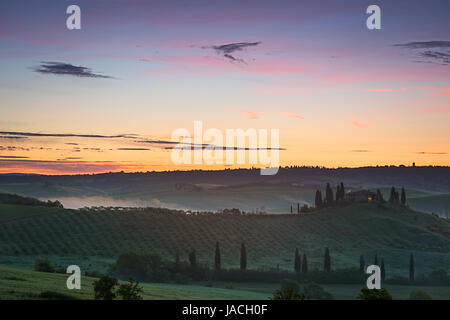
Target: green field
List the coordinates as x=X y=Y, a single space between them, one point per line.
x=25 y=284
x=94 y=238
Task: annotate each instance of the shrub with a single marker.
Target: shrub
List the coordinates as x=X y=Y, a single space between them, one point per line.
x=290 y=290
x=43 y=265
x=289 y=283
x=104 y=288
x=374 y=294
x=130 y=291
x=288 y=294
x=315 y=292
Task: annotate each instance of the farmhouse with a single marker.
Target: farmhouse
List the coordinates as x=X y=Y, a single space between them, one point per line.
x=361 y=196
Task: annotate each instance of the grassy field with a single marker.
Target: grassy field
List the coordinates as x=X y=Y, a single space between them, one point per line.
x=25 y=284
x=92 y=239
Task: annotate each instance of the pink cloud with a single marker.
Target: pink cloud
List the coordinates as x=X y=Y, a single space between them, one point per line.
x=441 y=91
x=360 y=123
x=386 y=90
x=247 y=114
x=204 y=64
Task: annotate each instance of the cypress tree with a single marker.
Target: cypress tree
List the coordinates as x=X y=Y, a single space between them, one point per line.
x=403 y=197
x=392 y=196
x=304 y=264
x=193 y=258
x=379 y=196
x=411 y=268
x=342 y=192
x=383 y=271
x=318 y=200
x=327 y=261
x=217 y=257
x=243 y=258
x=362 y=263
x=328 y=196
x=376 y=260
x=397 y=198
x=298 y=207
x=297 y=261
x=291 y=208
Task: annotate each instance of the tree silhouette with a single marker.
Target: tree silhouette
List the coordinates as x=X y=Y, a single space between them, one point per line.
x=304 y=264
x=327 y=261
x=411 y=268
x=328 y=196
x=243 y=258
x=376 y=260
x=379 y=196
x=382 y=270
x=392 y=196
x=403 y=197
x=362 y=263
x=297 y=261
x=217 y=257
x=105 y=288
x=130 y=290
x=193 y=258
x=318 y=200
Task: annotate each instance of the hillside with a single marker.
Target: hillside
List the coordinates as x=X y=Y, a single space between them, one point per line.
x=92 y=238
x=215 y=190
x=437 y=203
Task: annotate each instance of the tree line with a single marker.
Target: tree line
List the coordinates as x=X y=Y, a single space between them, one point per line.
x=332 y=198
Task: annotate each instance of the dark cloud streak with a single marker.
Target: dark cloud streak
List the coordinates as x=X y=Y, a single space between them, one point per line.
x=61 y=68
x=440 y=53
x=228 y=50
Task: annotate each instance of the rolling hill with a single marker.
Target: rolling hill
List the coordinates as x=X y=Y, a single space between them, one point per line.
x=215 y=190
x=93 y=238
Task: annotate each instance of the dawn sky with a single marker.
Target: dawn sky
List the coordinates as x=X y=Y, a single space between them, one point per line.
x=341 y=95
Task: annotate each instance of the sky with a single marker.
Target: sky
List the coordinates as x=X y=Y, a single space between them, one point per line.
x=108 y=97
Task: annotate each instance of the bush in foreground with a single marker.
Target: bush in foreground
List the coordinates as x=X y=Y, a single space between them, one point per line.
x=374 y=294
x=315 y=292
x=105 y=288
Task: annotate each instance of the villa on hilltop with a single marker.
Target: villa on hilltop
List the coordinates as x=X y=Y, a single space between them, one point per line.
x=361 y=196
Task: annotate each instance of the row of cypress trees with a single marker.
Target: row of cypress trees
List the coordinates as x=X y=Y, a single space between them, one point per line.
x=301 y=265
x=300 y=262
x=394 y=197
x=217 y=258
